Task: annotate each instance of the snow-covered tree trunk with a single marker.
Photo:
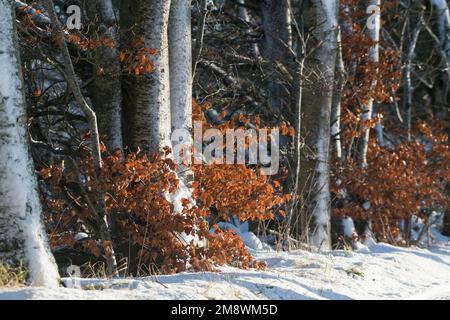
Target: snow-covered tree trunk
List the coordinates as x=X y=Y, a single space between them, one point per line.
x=276 y=18
x=374 y=30
x=320 y=67
x=22 y=235
x=180 y=48
x=147 y=100
x=106 y=93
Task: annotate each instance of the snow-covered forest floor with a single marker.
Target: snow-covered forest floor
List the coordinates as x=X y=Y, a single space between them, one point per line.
x=379 y=272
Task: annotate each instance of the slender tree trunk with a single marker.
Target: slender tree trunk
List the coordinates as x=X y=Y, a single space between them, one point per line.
x=180 y=47
x=374 y=31
x=277 y=42
x=22 y=235
x=100 y=210
x=106 y=91
x=408 y=87
x=337 y=97
x=147 y=96
x=199 y=37
x=244 y=16
x=320 y=66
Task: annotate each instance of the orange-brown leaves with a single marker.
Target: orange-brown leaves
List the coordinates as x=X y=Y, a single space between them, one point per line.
x=137 y=58
x=396 y=183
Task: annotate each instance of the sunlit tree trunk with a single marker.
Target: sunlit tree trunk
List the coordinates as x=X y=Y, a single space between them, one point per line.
x=180 y=47
x=337 y=98
x=374 y=31
x=147 y=96
x=317 y=101
x=22 y=236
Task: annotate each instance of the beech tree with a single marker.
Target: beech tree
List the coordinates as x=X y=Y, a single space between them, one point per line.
x=147 y=96
x=180 y=48
x=22 y=236
x=374 y=26
x=317 y=101
x=276 y=16
x=105 y=91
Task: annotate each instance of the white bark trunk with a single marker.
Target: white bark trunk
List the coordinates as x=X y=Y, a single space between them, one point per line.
x=22 y=236
x=180 y=47
x=337 y=97
x=374 y=56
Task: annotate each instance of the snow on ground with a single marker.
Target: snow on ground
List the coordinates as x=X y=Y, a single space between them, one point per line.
x=383 y=272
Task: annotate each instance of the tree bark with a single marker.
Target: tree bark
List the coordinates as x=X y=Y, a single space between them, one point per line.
x=368 y=107
x=71 y=79
x=317 y=101
x=106 y=91
x=180 y=47
x=147 y=97
x=443 y=15
x=22 y=236
x=337 y=97
x=408 y=87
x=277 y=43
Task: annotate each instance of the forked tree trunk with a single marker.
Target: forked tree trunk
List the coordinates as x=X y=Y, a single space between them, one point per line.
x=22 y=236
x=147 y=96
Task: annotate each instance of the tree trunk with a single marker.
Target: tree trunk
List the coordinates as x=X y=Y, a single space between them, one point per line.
x=443 y=15
x=106 y=92
x=374 y=31
x=337 y=97
x=147 y=96
x=408 y=87
x=245 y=17
x=180 y=48
x=22 y=235
x=276 y=18
x=69 y=73
x=320 y=67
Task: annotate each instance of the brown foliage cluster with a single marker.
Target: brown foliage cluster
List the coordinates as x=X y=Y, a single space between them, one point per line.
x=366 y=80
x=397 y=183
x=144 y=224
x=400 y=181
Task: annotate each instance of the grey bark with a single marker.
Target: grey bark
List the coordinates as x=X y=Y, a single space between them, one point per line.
x=180 y=64
x=277 y=47
x=106 y=92
x=408 y=87
x=147 y=97
x=317 y=101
